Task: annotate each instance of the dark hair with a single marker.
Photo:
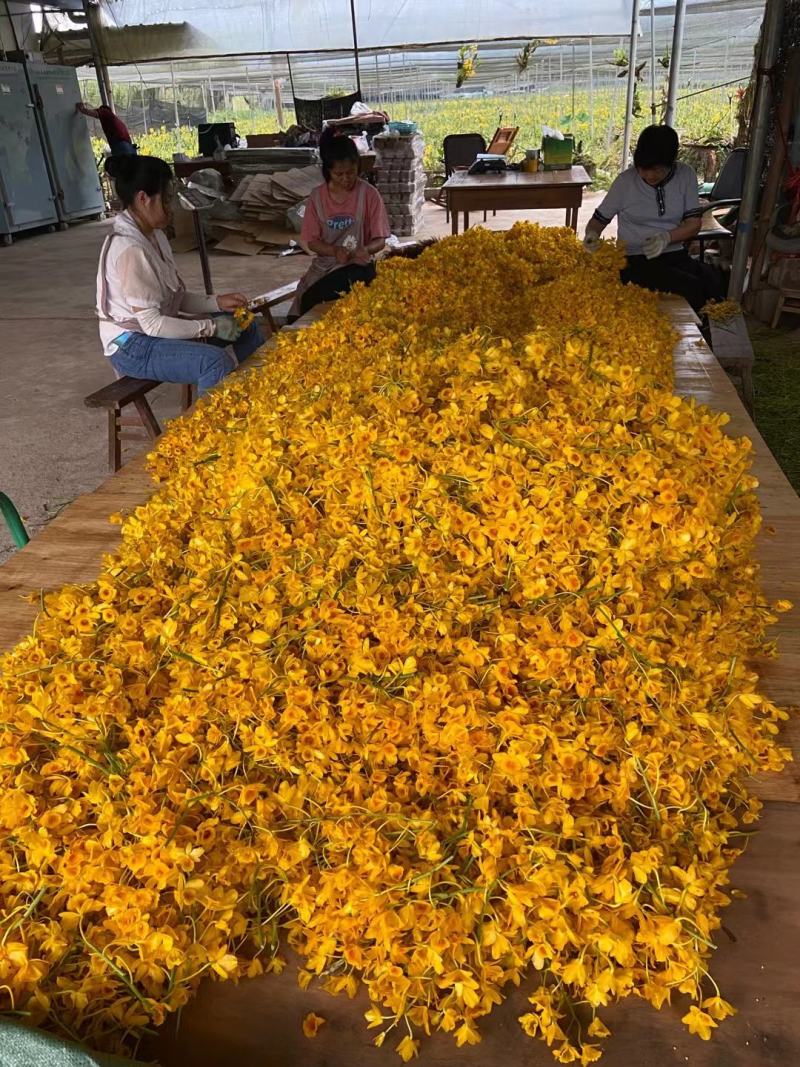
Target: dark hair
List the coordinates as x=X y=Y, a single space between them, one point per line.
x=138 y=174
x=337 y=150
x=657 y=147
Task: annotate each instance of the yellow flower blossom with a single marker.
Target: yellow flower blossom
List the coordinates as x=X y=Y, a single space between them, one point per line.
x=699 y=1022
x=429 y=657
x=312 y=1024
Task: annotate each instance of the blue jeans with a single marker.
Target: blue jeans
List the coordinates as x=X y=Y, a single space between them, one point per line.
x=163 y=360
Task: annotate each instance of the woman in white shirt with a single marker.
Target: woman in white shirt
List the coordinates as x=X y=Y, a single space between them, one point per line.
x=657 y=209
x=150 y=326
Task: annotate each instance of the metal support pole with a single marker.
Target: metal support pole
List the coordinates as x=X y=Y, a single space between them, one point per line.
x=572 y=112
x=626 y=140
x=675 y=61
x=276 y=89
x=174 y=96
x=759 y=122
x=377 y=78
x=653 y=107
x=591 y=92
x=291 y=79
x=355 y=45
x=90 y=11
x=202 y=251
x=144 y=105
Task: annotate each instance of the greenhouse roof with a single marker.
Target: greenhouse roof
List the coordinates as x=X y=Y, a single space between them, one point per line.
x=314 y=26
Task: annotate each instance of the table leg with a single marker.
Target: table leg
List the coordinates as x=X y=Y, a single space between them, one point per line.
x=453 y=221
x=466 y=221
x=568 y=219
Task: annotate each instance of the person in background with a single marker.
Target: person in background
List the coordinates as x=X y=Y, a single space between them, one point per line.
x=114 y=129
x=345 y=225
x=150 y=326
x=657 y=209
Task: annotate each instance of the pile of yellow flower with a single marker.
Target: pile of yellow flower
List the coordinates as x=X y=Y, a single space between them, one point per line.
x=428 y=656
x=722 y=311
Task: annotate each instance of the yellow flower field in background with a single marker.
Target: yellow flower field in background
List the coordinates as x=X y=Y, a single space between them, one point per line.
x=597 y=122
x=428 y=656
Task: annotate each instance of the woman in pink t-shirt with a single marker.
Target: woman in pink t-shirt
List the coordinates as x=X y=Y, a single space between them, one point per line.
x=345 y=225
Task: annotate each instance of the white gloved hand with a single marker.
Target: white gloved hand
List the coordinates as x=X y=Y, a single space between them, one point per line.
x=655 y=244
x=591 y=242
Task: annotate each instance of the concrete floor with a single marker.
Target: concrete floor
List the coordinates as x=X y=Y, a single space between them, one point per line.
x=52 y=447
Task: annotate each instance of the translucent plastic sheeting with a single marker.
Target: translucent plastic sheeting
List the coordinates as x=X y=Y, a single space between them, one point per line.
x=225 y=27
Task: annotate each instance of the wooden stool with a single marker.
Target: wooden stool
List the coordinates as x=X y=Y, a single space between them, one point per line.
x=788 y=301
x=120 y=394
x=272 y=299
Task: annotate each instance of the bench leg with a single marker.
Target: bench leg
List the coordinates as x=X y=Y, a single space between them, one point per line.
x=114 y=448
x=187 y=396
x=778 y=309
x=149 y=421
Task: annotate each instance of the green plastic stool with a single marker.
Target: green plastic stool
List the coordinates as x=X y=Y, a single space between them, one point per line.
x=13 y=521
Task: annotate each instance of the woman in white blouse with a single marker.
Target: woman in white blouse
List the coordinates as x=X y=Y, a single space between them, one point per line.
x=150 y=326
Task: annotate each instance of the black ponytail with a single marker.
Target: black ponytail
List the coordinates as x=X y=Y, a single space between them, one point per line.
x=139 y=174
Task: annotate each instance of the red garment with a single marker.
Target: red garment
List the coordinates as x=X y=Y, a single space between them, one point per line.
x=113 y=128
x=337 y=217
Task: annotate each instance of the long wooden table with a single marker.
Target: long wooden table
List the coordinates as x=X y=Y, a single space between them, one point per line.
x=258 y=1021
x=516 y=190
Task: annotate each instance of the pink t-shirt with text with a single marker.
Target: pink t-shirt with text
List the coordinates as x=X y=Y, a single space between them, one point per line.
x=339 y=216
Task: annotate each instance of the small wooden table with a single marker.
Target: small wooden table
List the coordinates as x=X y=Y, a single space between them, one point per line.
x=516 y=190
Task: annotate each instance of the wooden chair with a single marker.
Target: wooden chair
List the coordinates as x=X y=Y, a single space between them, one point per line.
x=725 y=196
x=460 y=151
x=788 y=302
x=504 y=137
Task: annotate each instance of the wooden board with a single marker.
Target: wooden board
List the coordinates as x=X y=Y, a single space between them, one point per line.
x=731 y=341
x=258 y=1022
x=69 y=549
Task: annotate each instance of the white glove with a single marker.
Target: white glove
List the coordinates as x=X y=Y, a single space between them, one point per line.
x=655 y=244
x=591 y=242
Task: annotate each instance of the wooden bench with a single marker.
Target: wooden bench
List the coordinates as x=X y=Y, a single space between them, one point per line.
x=114 y=398
x=126 y=391
x=730 y=342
